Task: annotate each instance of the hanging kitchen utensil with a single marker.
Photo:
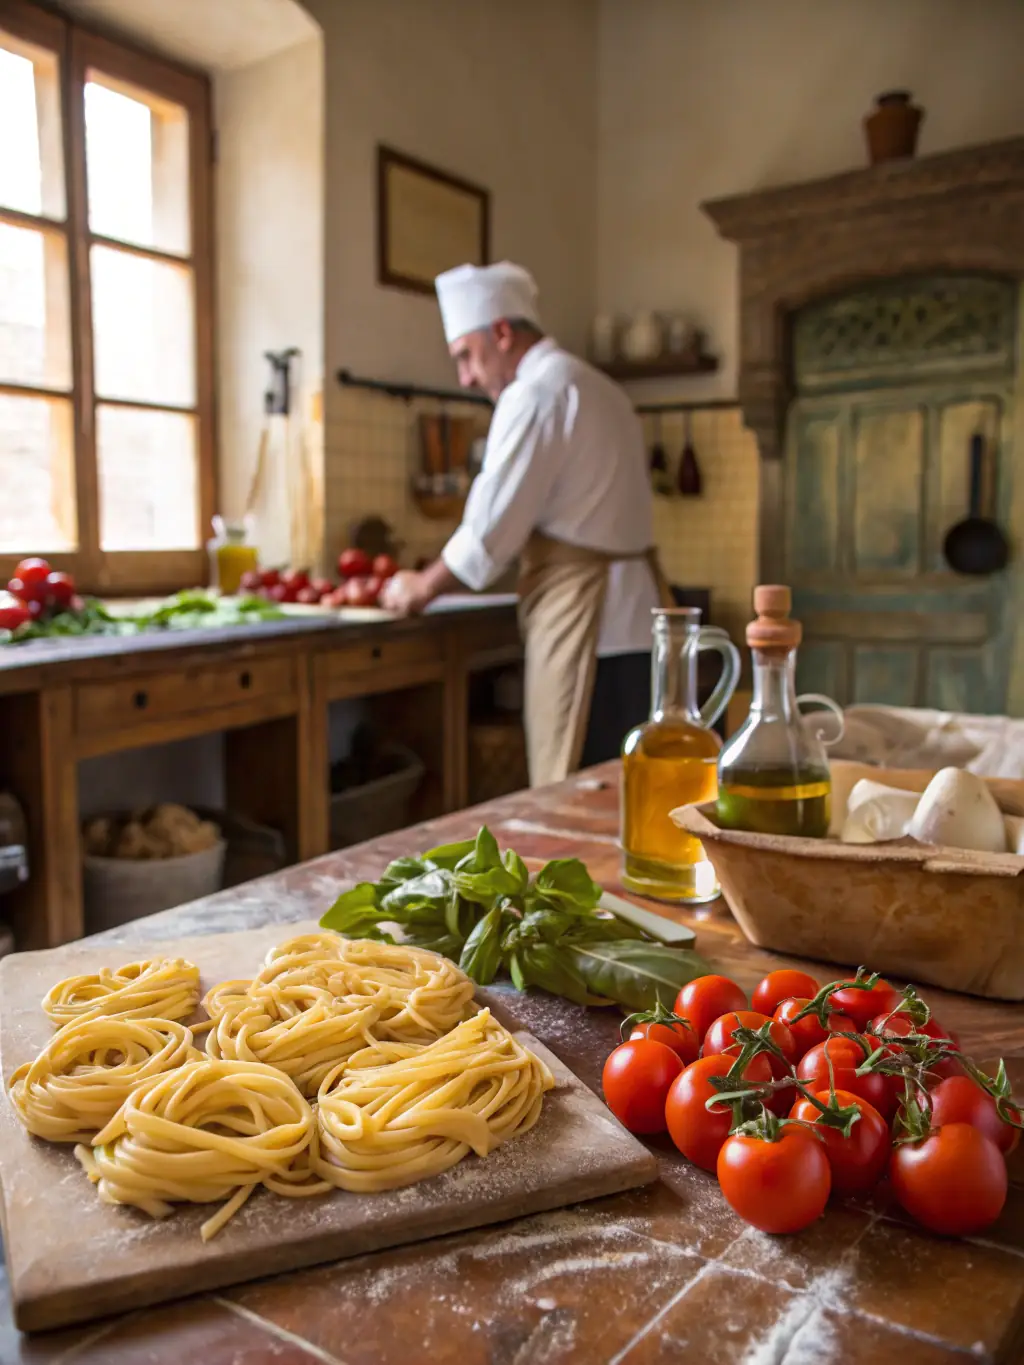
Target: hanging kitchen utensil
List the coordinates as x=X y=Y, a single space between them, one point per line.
x=977 y=544
x=688 y=478
x=446 y=447
x=661 y=480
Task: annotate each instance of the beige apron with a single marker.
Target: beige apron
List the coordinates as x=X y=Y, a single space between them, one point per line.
x=561 y=595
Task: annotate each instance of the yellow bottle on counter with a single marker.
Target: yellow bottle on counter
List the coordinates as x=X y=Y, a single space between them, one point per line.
x=671 y=760
x=231 y=555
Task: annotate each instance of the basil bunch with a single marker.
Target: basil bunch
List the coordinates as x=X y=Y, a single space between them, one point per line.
x=479 y=906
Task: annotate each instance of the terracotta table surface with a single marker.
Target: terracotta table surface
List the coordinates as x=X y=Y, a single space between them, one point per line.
x=667 y=1273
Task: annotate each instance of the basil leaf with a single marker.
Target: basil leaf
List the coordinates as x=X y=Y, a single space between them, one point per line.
x=441 y=943
x=402 y=870
x=481 y=953
x=516 y=972
x=544 y=966
x=354 y=911
x=447 y=855
x=432 y=886
x=517 y=869
x=599 y=929
x=635 y=972
x=568 y=883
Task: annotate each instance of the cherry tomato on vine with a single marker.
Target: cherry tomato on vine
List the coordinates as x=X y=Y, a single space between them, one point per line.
x=32 y=570
x=958 y=1099
x=953 y=1182
x=779 y=986
x=779 y=1186
x=719 y=1037
x=678 y=1037
x=28 y=590
x=857 y=1161
x=636 y=1081
x=807 y=1031
x=840 y=1023
x=699 y=1132
x=862 y=1005
x=60 y=588
x=705 y=998
x=846 y=1056
x=889 y=1028
x=12 y=612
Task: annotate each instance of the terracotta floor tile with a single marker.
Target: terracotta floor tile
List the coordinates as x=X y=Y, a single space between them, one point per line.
x=795 y=1262
x=194 y=1332
x=828 y=1337
x=560 y=1287
x=967 y=1295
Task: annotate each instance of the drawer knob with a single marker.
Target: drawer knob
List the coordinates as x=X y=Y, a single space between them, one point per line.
x=245 y=679
x=140 y=700
x=375 y=652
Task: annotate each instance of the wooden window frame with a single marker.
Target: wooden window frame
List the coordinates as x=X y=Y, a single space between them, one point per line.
x=78 y=49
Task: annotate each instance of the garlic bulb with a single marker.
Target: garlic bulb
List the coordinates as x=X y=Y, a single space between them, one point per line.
x=958 y=810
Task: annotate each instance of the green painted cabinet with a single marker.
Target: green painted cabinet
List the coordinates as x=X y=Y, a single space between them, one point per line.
x=892 y=383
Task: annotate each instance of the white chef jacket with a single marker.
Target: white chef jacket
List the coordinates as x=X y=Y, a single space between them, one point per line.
x=565 y=456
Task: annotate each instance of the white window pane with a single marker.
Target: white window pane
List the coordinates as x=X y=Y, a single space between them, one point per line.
x=37 y=476
x=137 y=165
x=31 y=147
x=143 y=329
x=35 y=324
x=148 y=479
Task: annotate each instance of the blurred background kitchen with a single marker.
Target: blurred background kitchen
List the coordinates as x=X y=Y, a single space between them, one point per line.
x=811 y=370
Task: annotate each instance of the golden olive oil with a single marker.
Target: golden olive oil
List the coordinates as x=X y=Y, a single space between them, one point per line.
x=793 y=801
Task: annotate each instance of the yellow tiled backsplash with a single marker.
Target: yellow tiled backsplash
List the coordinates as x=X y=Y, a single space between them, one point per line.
x=372 y=453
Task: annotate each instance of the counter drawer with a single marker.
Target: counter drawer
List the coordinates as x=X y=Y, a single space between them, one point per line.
x=382 y=658
x=130 y=702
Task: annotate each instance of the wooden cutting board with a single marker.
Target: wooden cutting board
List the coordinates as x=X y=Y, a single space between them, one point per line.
x=71 y=1258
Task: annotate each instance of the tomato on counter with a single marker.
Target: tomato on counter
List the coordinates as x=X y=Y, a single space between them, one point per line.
x=354 y=564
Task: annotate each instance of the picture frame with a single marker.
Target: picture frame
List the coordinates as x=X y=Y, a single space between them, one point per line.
x=428 y=221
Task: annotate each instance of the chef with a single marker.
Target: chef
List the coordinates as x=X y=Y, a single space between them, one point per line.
x=564 y=487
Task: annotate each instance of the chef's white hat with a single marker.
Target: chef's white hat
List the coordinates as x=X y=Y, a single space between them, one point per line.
x=473 y=296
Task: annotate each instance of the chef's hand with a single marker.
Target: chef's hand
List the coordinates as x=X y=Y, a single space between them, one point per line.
x=405 y=593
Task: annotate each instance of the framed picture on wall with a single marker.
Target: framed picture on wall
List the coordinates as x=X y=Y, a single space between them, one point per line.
x=427 y=221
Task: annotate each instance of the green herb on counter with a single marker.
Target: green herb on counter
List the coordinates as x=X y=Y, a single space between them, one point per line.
x=480 y=907
x=191 y=610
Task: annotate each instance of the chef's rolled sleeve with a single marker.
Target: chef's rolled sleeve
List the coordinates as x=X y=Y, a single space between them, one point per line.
x=508 y=497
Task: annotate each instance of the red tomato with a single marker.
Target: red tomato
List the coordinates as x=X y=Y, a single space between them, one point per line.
x=697 y=1131
x=958 y=1099
x=374 y=585
x=890 y=1026
x=706 y=998
x=12 y=612
x=277 y=592
x=384 y=567
x=779 y=986
x=309 y=597
x=676 y=1036
x=846 y=1056
x=251 y=581
x=270 y=578
x=840 y=1023
x=359 y=593
x=636 y=1080
x=338 y=598
x=779 y=1186
x=295 y=579
x=719 y=1037
x=31 y=590
x=862 y=1005
x=60 y=588
x=953 y=1182
x=806 y=1032
x=32 y=570
x=354 y=564
x=859 y=1160
x=36 y=609
x=322 y=587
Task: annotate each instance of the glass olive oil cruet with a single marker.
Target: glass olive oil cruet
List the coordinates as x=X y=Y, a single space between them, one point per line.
x=773 y=774
x=669 y=761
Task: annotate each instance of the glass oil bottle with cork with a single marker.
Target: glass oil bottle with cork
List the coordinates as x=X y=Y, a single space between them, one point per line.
x=670 y=760
x=773 y=773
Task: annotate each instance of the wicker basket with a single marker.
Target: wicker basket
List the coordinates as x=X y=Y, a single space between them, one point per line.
x=379 y=806
x=117 y=890
x=944 y=916
x=497 y=759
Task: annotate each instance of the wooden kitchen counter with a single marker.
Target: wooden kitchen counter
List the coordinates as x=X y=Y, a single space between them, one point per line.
x=662 y=1274
x=267 y=687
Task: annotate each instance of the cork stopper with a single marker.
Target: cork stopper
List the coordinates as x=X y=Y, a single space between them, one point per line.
x=773 y=630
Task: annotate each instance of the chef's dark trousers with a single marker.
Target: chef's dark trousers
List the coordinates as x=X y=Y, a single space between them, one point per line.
x=622 y=699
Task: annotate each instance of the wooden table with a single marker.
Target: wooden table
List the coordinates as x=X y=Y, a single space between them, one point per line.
x=268 y=688
x=667 y=1273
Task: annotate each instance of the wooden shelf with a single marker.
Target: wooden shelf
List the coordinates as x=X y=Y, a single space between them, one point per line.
x=664 y=367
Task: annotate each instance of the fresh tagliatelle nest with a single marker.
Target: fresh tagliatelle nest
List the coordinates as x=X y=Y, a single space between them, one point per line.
x=342 y=1064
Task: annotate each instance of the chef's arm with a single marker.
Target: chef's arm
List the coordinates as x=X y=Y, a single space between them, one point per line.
x=505 y=503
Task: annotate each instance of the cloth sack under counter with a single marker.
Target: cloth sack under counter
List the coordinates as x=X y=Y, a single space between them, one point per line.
x=903 y=737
